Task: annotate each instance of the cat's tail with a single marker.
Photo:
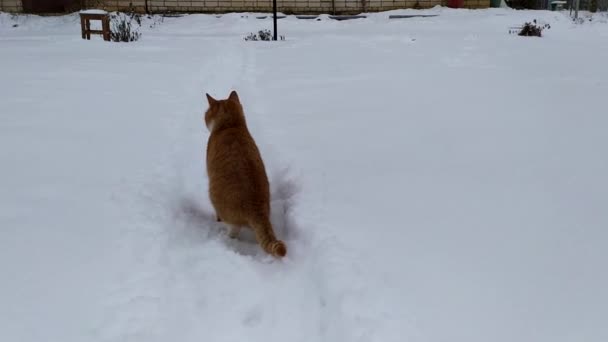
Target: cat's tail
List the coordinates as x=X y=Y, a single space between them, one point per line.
x=266 y=239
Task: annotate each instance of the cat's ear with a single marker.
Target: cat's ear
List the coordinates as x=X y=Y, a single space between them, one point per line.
x=211 y=100
x=234 y=97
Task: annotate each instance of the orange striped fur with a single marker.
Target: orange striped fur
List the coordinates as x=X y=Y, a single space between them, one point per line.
x=238 y=185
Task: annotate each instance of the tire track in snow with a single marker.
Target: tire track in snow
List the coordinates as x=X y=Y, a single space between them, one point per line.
x=333 y=291
x=301 y=284
x=289 y=285
x=304 y=285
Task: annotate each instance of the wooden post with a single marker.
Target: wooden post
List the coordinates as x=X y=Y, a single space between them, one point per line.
x=82 y=27
x=105 y=27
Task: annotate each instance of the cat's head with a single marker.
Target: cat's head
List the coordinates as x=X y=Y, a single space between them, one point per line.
x=224 y=113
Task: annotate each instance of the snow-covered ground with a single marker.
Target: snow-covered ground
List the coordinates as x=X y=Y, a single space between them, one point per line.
x=435 y=179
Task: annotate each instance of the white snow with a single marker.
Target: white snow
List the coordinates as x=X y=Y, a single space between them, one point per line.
x=93 y=11
x=435 y=179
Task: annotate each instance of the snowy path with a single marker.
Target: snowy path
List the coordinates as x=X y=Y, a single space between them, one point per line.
x=428 y=181
x=164 y=292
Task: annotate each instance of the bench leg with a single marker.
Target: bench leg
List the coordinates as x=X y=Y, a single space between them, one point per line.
x=88 y=24
x=82 y=27
x=105 y=24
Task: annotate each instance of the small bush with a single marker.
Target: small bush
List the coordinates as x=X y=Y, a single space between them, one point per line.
x=532 y=29
x=264 y=35
x=122 y=29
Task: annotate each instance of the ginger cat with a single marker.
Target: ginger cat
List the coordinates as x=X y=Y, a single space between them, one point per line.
x=238 y=185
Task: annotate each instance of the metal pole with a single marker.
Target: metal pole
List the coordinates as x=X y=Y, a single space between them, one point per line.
x=274 y=18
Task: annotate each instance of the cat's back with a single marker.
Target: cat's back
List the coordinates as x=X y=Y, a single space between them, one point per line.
x=234 y=146
x=234 y=165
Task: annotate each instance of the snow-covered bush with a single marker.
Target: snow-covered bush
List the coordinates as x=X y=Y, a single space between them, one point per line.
x=264 y=35
x=533 y=29
x=122 y=27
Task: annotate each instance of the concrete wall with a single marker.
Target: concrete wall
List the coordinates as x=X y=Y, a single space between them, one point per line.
x=285 y=6
x=12 y=6
x=476 y=3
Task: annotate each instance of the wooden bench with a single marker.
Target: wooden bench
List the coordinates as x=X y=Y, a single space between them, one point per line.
x=85 y=23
